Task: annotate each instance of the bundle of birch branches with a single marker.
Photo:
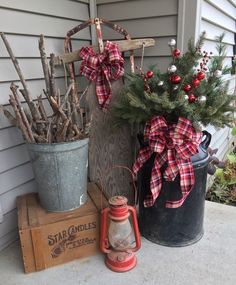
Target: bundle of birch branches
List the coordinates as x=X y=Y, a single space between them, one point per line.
x=66 y=122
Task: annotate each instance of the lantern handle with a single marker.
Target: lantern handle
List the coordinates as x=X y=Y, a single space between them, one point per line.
x=136 y=228
x=103 y=245
x=108 y=170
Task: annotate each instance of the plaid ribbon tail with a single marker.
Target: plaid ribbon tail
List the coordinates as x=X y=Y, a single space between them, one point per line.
x=187 y=180
x=156 y=181
x=103 y=89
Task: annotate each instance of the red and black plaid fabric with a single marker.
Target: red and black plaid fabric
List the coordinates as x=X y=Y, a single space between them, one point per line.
x=102 y=68
x=175 y=144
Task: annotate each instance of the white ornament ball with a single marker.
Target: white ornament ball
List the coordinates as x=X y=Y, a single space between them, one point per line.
x=160 y=83
x=172 y=42
x=175 y=87
x=172 y=69
x=218 y=73
x=186 y=97
x=202 y=99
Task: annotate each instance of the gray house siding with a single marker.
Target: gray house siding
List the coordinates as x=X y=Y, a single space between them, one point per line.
x=23 y=22
x=153 y=18
x=219 y=16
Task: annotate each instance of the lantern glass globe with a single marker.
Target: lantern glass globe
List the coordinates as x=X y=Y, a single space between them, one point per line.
x=121 y=235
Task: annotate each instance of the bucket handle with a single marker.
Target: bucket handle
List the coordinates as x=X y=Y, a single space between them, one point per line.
x=108 y=170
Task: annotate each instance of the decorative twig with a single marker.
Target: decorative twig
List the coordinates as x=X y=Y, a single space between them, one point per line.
x=67 y=94
x=35 y=125
x=45 y=65
x=52 y=76
x=27 y=96
x=20 y=123
x=9 y=116
x=62 y=135
x=21 y=111
x=41 y=108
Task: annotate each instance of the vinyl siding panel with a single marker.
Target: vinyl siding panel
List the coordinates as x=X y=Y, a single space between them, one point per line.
x=219 y=16
x=23 y=22
x=141 y=19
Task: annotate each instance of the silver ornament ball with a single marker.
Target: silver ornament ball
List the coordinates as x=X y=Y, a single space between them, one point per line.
x=172 y=42
x=172 y=69
x=218 y=73
x=202 y=99
x=160 y=83
x=186 y=97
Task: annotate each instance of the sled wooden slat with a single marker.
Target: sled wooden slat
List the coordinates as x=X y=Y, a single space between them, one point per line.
x=124 y=45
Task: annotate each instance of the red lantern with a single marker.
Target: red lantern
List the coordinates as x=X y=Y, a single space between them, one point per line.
x=195 y=83
x=176 y=52
x=191 y=98
x=175 y=79
x=200 y=75
x=187 y=87
x=118 y=238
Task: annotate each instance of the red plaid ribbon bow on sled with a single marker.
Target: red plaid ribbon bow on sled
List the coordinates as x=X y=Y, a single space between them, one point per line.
x=102 y=68
x=174 y=143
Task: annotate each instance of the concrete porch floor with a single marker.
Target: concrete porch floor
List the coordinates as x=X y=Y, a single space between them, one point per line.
x=210 y=261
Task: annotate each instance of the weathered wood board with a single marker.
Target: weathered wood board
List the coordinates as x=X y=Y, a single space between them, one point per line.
x=109 y=146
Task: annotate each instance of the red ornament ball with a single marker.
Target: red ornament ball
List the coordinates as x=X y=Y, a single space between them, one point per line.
x=201 y=75
x=149 y=74
x=195 y=83
x=187 y=87
x=191 y=98
x=176 y=52
x=175 y=79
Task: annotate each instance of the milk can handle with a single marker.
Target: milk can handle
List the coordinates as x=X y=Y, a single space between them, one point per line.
x=206 y=142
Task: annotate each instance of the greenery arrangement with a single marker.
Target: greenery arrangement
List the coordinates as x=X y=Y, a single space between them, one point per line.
x=223 y=189
x=193 y=87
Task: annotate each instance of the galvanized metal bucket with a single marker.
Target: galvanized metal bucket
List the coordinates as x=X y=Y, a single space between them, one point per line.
x=60 y=171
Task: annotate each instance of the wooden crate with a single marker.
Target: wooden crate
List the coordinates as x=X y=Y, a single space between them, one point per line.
x=51 y=238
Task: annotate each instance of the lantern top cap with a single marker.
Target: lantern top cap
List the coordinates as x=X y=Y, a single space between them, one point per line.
x=118 y=201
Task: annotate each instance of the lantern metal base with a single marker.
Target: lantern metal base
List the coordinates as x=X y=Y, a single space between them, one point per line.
x=121 y=261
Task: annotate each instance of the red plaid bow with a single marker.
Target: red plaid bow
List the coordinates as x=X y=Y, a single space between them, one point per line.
x=101 y=68
x=175 y=144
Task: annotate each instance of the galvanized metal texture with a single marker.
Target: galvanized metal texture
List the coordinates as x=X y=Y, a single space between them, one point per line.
x=61 y=174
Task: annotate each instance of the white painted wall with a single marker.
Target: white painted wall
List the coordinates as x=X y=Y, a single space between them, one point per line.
x=22 y=22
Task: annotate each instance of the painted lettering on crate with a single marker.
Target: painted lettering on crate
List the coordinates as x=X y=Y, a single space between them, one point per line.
x=70 y=231
x=67 y=239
